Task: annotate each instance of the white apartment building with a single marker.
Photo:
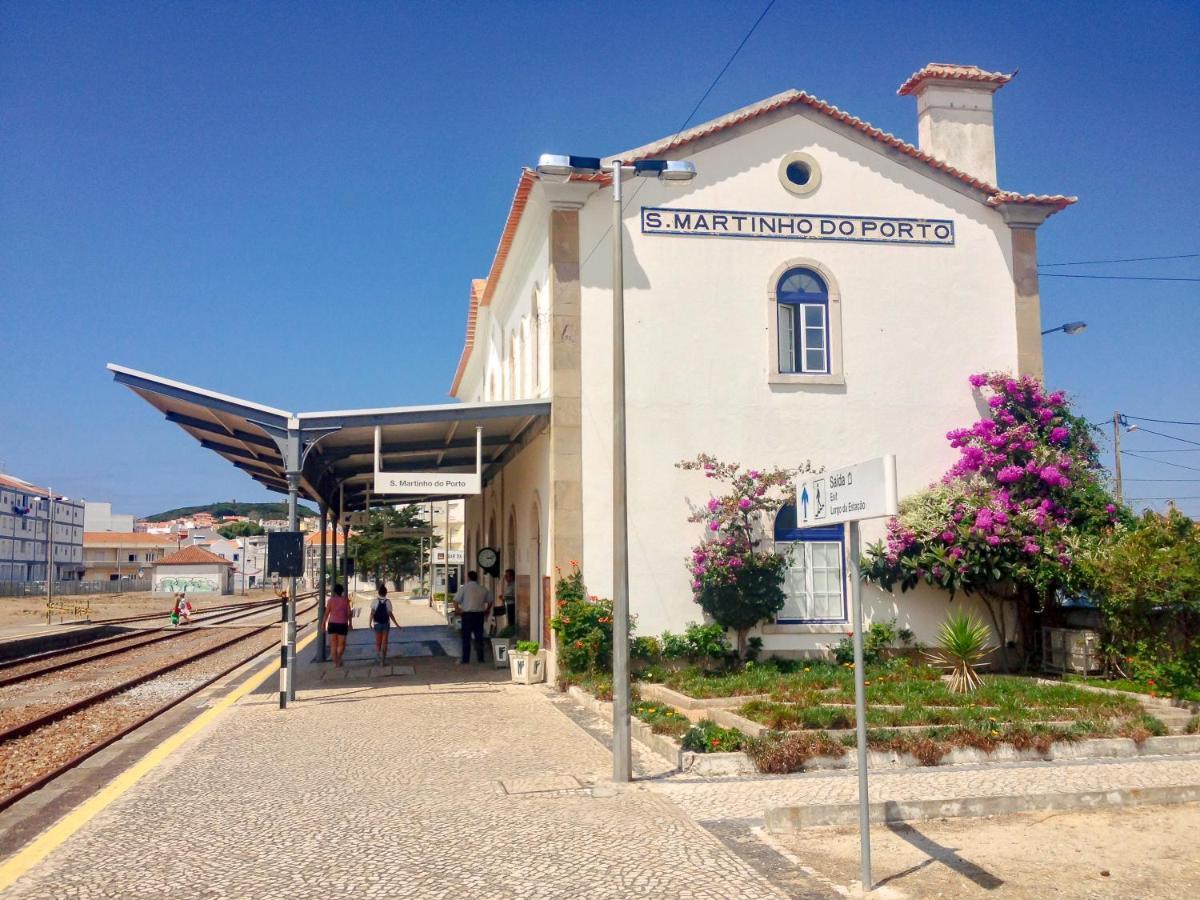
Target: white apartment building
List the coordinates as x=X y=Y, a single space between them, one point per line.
x=25 y=517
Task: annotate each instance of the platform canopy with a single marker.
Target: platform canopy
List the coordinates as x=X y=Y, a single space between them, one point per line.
x=334 y=451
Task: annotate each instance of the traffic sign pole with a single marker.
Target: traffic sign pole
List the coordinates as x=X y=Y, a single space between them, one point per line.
x=860 y=709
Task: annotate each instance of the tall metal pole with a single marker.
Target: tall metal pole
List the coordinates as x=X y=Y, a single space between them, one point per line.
x=860 y=711
x=49 y=546
x=1117 y=455
x=446 y=571
x=293 y=482
x=622 y=749
x=245 y=547
x=321 y=586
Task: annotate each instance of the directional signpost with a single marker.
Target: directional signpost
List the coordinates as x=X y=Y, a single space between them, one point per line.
x=851 y=494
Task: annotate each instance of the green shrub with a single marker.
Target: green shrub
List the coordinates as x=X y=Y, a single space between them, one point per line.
x=646 y=650
x=583 y=626
x=528 y=647
x=709 y=737
x=879 y=636
x=1193 y=725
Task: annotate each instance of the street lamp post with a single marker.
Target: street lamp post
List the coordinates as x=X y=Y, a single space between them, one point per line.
x=1068 y=328
x=562 y=168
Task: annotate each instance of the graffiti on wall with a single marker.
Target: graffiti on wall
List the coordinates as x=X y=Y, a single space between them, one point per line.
x=196 y=583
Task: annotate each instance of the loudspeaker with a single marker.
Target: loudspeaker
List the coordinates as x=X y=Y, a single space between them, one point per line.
x=285 y=554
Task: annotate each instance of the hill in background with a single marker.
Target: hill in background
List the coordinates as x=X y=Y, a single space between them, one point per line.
x=233 y=508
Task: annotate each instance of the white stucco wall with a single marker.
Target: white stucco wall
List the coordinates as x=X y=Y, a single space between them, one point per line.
x=916 y=321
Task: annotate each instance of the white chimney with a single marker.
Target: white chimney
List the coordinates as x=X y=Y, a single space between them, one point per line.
x=954 y=115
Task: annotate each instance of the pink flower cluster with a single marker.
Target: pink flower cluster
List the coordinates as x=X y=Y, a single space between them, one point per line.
x=1010 y=488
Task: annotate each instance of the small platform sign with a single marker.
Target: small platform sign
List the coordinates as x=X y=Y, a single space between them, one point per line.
x=359 y=519
x=863 y=491
x=440 y=483
x=391 y=532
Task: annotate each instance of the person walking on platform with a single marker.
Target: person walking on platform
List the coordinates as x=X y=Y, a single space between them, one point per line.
x=381 y=612
x=337 y=623
x=473 y=601
x=508 y=591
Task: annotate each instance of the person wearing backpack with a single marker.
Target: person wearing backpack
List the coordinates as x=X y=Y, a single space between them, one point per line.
x=381 y=613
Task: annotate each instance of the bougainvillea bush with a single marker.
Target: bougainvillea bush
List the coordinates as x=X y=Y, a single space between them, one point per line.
x=735 y=582
x=1007 y=522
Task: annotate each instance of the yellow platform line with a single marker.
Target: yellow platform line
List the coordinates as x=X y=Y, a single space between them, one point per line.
x=49 y=840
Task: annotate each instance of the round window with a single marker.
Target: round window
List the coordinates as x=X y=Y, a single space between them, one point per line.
x=799 y=173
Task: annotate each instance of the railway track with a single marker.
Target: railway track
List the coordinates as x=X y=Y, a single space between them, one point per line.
x=26 y=667
x=38 y=748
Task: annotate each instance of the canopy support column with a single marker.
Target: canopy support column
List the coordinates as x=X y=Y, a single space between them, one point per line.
x=292 y=461
x=321 y=654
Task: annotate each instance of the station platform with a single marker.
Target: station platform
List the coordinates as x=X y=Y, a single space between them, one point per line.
x=415 y=778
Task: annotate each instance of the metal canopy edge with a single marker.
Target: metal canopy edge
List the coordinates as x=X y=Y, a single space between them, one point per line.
x=253 y=437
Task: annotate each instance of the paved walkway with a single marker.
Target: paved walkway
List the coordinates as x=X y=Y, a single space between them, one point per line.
x=422 y=778
x=446 y=783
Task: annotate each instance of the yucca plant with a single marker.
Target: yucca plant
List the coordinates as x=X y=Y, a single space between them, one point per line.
x=962 y=643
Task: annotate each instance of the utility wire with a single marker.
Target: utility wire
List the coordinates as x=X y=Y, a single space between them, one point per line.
x=1168 y=436
x=1143 y=499
x=1159 y=421
x=1116 y=277
x=687 y=121
x=1160 y=461
x=1098 y=262
x=1171 y=480
x=1176 y=450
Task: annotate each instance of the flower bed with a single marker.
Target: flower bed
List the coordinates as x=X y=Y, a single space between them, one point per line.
x=1149 y=687
x=662 y=719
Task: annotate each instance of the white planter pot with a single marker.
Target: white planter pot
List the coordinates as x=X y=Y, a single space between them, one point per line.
x=500 y=650
x=527 y=668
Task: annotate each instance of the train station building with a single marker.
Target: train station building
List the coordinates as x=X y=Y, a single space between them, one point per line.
x=820 y=291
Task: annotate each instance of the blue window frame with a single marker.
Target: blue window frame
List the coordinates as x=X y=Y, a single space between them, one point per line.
x=802 y=307
x=815 y=582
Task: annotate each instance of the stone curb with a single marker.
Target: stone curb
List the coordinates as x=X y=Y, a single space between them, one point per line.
x=641 y=732
x=684 y=703
x=785 y=819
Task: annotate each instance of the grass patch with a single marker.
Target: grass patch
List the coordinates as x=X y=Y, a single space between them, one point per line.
x=1135 y=686
x=662 y=719
x=1193 y=725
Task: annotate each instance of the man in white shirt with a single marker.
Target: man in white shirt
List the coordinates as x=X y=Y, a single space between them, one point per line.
x=473 y=602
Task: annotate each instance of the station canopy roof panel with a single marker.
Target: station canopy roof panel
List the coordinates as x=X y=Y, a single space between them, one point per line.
x=339 y=447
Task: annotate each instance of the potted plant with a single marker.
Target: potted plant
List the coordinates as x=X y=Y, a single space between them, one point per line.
x=501 y=641
x=527 y=662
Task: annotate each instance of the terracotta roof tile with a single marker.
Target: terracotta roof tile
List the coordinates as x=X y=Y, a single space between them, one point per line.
x=192 y=556
x=993 y=196
x=952 y=72
x=126 y=539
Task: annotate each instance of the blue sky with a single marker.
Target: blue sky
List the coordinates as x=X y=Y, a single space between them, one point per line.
x=286 y=201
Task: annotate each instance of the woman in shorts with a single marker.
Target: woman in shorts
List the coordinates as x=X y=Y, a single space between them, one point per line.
x=381 y=613
x=337 y=623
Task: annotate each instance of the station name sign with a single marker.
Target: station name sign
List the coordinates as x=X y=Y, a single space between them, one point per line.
x=797 y=226
x=426 y=483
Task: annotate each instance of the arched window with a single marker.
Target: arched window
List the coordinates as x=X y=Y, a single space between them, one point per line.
x=802 y=303
x=814 y=584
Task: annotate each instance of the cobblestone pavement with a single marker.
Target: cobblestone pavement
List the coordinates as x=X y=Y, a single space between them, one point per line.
x=712 y=799
x=394 y=786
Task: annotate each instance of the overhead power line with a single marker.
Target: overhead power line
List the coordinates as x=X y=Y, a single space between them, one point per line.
x=687 y=121
x=1143 y=499
x=1159 y=421
x=1174 y=450
x=1117 y=277
x=1163 y=462
x=1098 y=262
x=1170 y=480
x=1170 y=437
